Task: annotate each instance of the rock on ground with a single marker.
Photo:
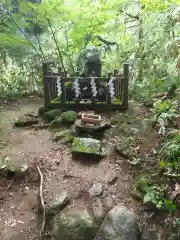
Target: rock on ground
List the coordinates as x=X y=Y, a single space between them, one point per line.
x=58 y=201
x=56 y=123
x=73 y=224
x=69 y=117
x=63 y=136
x=119 y=224
x=96 y=189
x=86 y=145
x=97 y=209
x=24 y=121
x=52 y=114
x=113 y=178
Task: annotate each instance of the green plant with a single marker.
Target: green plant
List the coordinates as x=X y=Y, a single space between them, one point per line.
x=170 y=151
x=155 y=195
x=170 y=156
x=164 y=110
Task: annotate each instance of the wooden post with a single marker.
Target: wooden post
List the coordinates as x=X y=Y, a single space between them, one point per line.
x=115 y=72
x=46 y=85
x=125 y=86
x=108 y=94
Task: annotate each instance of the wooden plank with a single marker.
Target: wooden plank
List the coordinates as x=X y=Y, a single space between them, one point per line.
x=125 y=85
x=87 y=106
x=45 y=84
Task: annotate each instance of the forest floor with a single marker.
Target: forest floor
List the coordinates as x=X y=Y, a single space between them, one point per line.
x=18 y=199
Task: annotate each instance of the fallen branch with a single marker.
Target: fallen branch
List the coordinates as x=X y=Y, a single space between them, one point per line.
x=6 y=189
x=41 y=205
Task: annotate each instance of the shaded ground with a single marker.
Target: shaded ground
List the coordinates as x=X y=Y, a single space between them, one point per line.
x=18 y=203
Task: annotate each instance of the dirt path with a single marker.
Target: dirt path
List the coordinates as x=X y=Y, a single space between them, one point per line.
x=17 y=206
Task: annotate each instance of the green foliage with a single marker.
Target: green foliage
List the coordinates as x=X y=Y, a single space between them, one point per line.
x=170 y=156
x=142 y=184
x=164 y=110
x=69 y=117
x=156 y=196
x=145 y=33
x=171 y=149
x=152 y=194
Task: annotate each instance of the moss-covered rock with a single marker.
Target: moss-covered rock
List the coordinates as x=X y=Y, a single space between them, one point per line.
x=140 y=188
x=142 y=184
x=86 y=145
x=41 y=111
x=119 y=224
x=64 y=136
x=57 y=122
x=69 y=117
x=17 y=169
x=74 y=224
x=52 y=114
x=131 y=123
x=24 y=121
x=126 y=146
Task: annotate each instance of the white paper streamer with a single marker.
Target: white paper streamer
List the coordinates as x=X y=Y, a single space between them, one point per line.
x=77 y=88
x=58 y=84
x=111 y=87
x=93 y=86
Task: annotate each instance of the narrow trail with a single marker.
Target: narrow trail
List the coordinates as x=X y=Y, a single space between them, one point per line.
x=26 y=146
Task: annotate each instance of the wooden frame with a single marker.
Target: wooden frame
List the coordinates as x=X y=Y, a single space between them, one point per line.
x=50 y=91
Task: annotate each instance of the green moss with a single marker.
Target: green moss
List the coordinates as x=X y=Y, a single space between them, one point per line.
x=69 y=117
x=56 y=100
x=116 y=101
x=56 y=123
x=25 y=121
x=52 y=114
x=63 y=136
x=86 y=145
x=73 y=225
x=142 y=184
x=139 y=188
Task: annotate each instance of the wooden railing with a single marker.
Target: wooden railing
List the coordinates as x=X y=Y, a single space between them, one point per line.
x=69 y=100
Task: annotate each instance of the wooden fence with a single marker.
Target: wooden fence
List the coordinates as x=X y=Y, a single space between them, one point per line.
x=60 y=91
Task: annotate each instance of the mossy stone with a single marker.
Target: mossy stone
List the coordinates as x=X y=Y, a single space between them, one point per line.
x=69 y=117
x=52 y=114
x=140 y=187
x=86 y=145
x=57 y=122
x=24 y=121
x=41 y=111
x=63 y=136
x=74 y=224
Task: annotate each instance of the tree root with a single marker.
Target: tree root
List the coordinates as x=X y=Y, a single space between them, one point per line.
x=41 y=205
x=1 y=196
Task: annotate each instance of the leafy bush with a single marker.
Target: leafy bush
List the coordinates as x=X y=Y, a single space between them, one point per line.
x=171 y=149
x=145 y=37
x=153 y=194
x=170 y=156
